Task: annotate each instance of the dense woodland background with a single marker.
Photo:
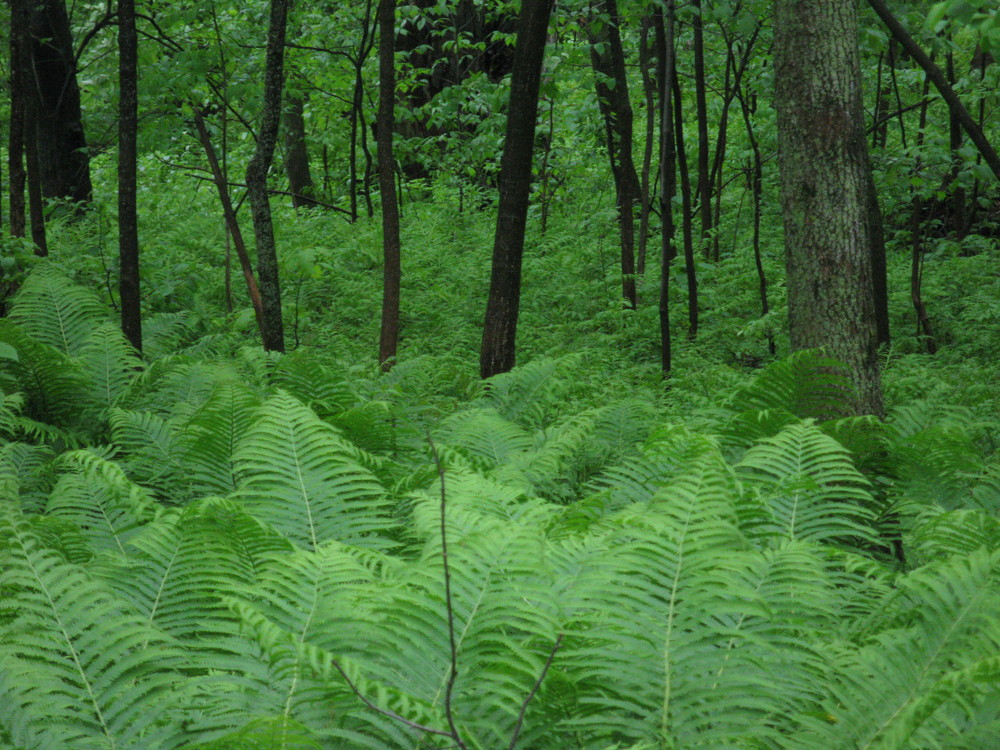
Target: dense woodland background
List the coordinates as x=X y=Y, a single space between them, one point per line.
x=270 y=478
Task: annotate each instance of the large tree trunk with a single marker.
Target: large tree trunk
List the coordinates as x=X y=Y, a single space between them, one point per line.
x=608 y=59
x=62 y=147
x=500 y=328
x=389 y=337
x=128 y=231
x=826 y=188
x=272 y=329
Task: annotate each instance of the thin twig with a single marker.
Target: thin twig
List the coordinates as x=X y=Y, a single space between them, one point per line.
x=275 y=191
x=386 y=711
x=453 y=669
x=534 y=689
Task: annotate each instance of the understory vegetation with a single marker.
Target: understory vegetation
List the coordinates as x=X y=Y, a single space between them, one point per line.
x=214 y=547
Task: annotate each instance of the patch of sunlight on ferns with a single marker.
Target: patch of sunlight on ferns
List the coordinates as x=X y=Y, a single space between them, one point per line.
x=295 y=472
x=77 y=669
x=803 y=485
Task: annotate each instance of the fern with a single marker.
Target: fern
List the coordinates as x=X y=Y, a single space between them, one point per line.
x=806 y=487
x=55 y=312
x=72 y=673
x=296 y=473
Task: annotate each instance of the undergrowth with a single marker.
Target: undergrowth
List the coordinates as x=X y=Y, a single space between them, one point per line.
x=213 y=547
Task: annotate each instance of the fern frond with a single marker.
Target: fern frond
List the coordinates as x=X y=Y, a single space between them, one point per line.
x=53 y=382
x=208 y=439
x=56 y=312
x=109 y=365
x=529 y=395
x=805 y=486
x=483 y=436
x=76 y=669
x=806 y=384
x=106 y=514
x=942 y=652
x=180 y=567
x=295 y=472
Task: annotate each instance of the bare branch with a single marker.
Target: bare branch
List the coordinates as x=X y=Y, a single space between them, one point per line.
x=453 y=670
x=534 y=689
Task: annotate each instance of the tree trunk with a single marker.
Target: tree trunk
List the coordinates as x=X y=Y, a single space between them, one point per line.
x=500 y=328
x=19 y=16
x=608 y=60
x=687 y=221
x=229 y=213
x=704 y=183
x=62 y=147
x=664 y=34
x=300 y=182
x=36 y=202
x=128 y=232
x=389 y=338
x=826 y=189
x=267 y=257
x=649 y=95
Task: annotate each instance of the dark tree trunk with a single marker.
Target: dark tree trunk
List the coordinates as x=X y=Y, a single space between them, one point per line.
x=687 y=228
x=267 y=257
x=608 y=59
x=62 y=147
x=664 y=34
x=756 y=186
x=826 y=189
x=36 y=202
x=500 y=328
x=19 y=15
x=300 y=182
x=389 y=338
x=357 y=105
x=649 y=94
x=704 y=183
x=128 y=231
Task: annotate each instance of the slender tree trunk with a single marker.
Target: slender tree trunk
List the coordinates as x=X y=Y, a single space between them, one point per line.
x=19 y=15
x=756 y=186
x=357 y=103
x=975 y=133
x=260 y=205
x=300 y=182
x=500 y=328
x=608 y=60
x=128 y=233
x=389 y=338
x=701 y=105
x=826 y=188
x=62 y=147
x=649 y=93
x=664 y=35
x=229 y=213
x=687 y=222
x=924 y=330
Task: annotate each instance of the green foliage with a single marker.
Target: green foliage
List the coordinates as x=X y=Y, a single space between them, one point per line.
x=250 y=556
